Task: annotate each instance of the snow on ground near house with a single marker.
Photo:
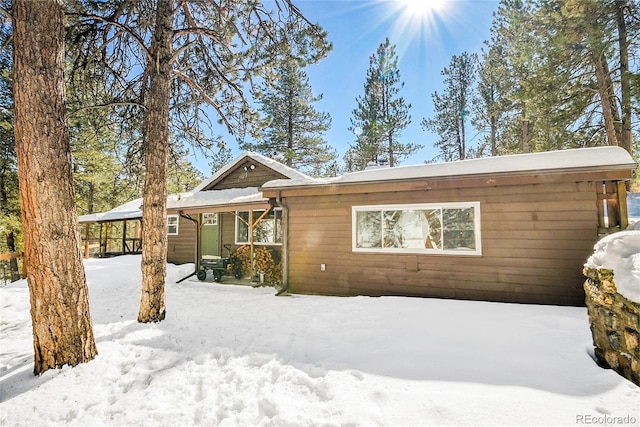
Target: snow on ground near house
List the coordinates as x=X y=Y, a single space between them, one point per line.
x=235 y=355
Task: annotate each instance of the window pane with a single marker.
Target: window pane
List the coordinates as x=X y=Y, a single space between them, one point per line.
x=418 y=228
x=393 y=229
x=267 y=231
x=459 y=229
x=172 y=224
x=368 y=229
x=242 y=227
x=264 y=231
x=278 y=223
x=209 y=219
x=432 y=228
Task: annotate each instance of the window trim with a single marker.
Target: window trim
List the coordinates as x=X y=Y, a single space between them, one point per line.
x=258 y=212
x=418 y=206
x=177 y=225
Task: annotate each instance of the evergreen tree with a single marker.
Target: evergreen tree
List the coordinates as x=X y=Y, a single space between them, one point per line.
x=596 y=40
x=10 y=227
x=452 y=108
x=491 y=103
x=97 y=170
x=177 y=62
x=62 y=327
x=291 y=130
x=221 y=157
x=381 y=116
x=182 y=175
x=512 y=31
x=572 y=78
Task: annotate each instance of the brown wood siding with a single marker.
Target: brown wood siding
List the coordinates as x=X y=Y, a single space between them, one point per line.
x=228 y=231
x=535 y=240
x=239 y=178
x=182 y=248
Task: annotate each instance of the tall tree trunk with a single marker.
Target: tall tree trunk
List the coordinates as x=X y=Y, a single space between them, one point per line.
x=493 y=138
x=526 y=137
x=289 y=152
x=607 y=97
x=391 y=150
x=156 y=148
x=62 y=328
x=463 y=138
x=625 y=83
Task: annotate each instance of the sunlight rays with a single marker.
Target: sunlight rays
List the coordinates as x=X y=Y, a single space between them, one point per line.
x=419 y=21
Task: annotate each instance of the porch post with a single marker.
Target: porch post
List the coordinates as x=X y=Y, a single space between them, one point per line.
x=251 y=249
x=101 y=248
x=86 y=240
x=124 y=237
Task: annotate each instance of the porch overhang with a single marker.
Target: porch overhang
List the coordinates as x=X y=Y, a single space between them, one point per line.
x=263 y=205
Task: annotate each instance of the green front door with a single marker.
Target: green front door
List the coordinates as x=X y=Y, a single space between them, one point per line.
x=210 y=235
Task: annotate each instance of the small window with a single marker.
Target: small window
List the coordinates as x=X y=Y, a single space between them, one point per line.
x=209 y=219
x=446 y=228
x=172 y=225
x=267 y=232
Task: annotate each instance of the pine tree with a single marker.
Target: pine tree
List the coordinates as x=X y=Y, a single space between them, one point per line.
x=381 y=116
x=513 y=31
x=182 y=174
x=199 y=58
x=10 y=227
x=221 y=157
x=491 y=103
x=452 y=108
x=291 y=130
x=569 y=61
x=62 y=327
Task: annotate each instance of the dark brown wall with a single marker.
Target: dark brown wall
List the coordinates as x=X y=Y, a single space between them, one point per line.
x=535 y=240
x=182 y=248
x=239 y=178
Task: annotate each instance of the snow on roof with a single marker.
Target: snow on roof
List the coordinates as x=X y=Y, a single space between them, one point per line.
x=596 y=157
x=129 y=210
x=215 y=197
x=132 y=209
x=259 y=158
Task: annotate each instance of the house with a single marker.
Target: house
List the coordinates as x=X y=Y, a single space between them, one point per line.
x=212 y=219
x=216 y=217
x=513 y=228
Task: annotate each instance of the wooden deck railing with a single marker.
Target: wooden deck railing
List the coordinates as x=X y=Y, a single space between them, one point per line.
x=15 y=255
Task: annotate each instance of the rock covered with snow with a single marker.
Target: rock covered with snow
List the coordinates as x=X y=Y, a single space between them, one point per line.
x=620 y=253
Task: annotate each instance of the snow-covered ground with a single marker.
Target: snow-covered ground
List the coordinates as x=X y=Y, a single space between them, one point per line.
x=235 y=355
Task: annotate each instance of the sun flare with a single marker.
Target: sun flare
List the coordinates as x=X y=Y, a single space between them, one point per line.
x=422 y=8
x=420 y=20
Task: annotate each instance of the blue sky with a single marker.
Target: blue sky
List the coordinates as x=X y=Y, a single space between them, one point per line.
x=425 y=43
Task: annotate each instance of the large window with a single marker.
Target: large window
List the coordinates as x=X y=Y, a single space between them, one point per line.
x=172 y=225
x=445 y=228
x=267 y=232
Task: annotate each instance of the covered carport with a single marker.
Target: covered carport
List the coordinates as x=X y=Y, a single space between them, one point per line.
x=111 y=233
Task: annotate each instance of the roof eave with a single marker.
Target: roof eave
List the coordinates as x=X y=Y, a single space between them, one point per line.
x=490 y=177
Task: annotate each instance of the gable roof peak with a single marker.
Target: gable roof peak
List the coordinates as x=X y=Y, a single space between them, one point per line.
x=285 y=171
